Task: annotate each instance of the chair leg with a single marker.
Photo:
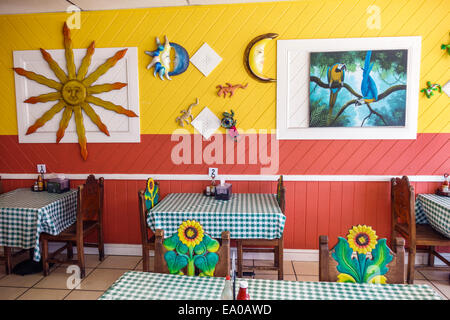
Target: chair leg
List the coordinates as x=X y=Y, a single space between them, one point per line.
x=239 y=258
x=69 y=250
x=145 y=259
x=280 y=259
x=8 y=258
x=44 y=257
x=431 y=256
x=101 y=244
x=411 y=263
x=81 y=260
x=276 y=253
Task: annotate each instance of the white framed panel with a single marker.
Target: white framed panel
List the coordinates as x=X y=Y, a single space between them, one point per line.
x=121 y=128
x=293 y=89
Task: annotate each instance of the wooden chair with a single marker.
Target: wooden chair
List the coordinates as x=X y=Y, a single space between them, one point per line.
x=327 y=264
x=147 y=236
x=89 y=220
x=404 y=223
x=6 y=258
x=222 y=269
x=275 y=245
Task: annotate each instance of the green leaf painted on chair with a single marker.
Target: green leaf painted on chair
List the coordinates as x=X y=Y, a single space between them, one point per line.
x=182 y=248
x=200 y=248
x=343 y=256
x=208 y=244
x=206 y=263
x=171 y=242
x=381 y=256
x=175 y=262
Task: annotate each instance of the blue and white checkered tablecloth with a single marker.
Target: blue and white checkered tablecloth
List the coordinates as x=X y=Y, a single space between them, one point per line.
x=25 y=214
x=135 y=285
x=245 y=215
x=434 y=210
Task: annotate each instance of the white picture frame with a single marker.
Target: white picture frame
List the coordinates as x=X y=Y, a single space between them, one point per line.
x=122 y=129
x=293 y=77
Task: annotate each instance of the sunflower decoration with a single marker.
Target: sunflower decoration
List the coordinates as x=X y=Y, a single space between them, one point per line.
x=190 y=247
x=360 y=257
x=362 y=239
x=190 y=233
x=74 y=91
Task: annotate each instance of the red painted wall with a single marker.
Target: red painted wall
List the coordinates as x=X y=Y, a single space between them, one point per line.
x=312 y=208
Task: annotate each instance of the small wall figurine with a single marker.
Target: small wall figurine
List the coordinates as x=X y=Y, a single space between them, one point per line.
x=228 y=122
x=229 y=89
x=186 y=115
x=430 y=88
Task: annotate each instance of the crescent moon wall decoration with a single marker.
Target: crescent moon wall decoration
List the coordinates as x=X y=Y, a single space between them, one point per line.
x=254 y=56
x=181 y=60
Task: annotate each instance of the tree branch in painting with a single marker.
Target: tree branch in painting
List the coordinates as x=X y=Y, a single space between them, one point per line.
x=381 y=96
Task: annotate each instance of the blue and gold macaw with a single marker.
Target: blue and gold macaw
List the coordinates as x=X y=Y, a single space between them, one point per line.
x=368 y=87
x=335 y=76
x=151 y=194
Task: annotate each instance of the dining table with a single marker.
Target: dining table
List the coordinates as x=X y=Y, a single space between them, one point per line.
x=137 y=285
x=434 y=210
x=245 y=215
x=25 y=214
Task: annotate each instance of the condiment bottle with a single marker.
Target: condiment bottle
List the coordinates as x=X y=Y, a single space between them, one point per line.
x=227 y=293
x=40 y=183
x=445 y=185
x=243 y=293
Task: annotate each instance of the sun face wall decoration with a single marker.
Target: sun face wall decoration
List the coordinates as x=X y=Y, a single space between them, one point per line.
x=74 y=91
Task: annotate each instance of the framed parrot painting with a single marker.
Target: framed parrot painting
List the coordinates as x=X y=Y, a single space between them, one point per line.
x=364 y=88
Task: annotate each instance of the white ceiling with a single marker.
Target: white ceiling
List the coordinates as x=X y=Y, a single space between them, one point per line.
x=36 y=6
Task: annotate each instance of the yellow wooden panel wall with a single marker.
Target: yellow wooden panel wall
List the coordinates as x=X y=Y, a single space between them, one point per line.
x=228 y=29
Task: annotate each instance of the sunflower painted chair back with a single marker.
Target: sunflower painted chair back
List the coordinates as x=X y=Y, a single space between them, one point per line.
x=362 y=258
x=192 y=252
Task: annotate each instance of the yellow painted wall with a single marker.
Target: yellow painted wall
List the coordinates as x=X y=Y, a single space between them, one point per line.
x=228 y=29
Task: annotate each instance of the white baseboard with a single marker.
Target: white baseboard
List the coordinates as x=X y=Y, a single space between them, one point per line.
x=289 y=254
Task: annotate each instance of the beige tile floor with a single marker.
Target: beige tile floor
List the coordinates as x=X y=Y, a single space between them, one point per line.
x=100 y=275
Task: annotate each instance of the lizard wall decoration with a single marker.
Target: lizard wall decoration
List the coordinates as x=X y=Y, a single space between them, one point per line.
x=186 y=114
x=229 y=89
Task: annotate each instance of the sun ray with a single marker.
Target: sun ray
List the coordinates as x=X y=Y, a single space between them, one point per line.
x=110 y=106
x=52 y=96
x=59 y=73
x=39 y=78
x=94 y=117
x=102 y=69
x=47 y=116
x=105 y=87
x=67 y=114
x=80 y=131
x=69 y=51
x=82 y=71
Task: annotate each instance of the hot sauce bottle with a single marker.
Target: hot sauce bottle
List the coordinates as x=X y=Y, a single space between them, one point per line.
x=243 y=292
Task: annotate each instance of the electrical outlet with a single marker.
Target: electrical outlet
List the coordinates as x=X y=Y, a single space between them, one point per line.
x=41 y=168
x=214 y=171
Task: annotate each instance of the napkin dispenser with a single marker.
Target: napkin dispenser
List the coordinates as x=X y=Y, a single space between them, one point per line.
x=223 y=191
x=58 y=185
